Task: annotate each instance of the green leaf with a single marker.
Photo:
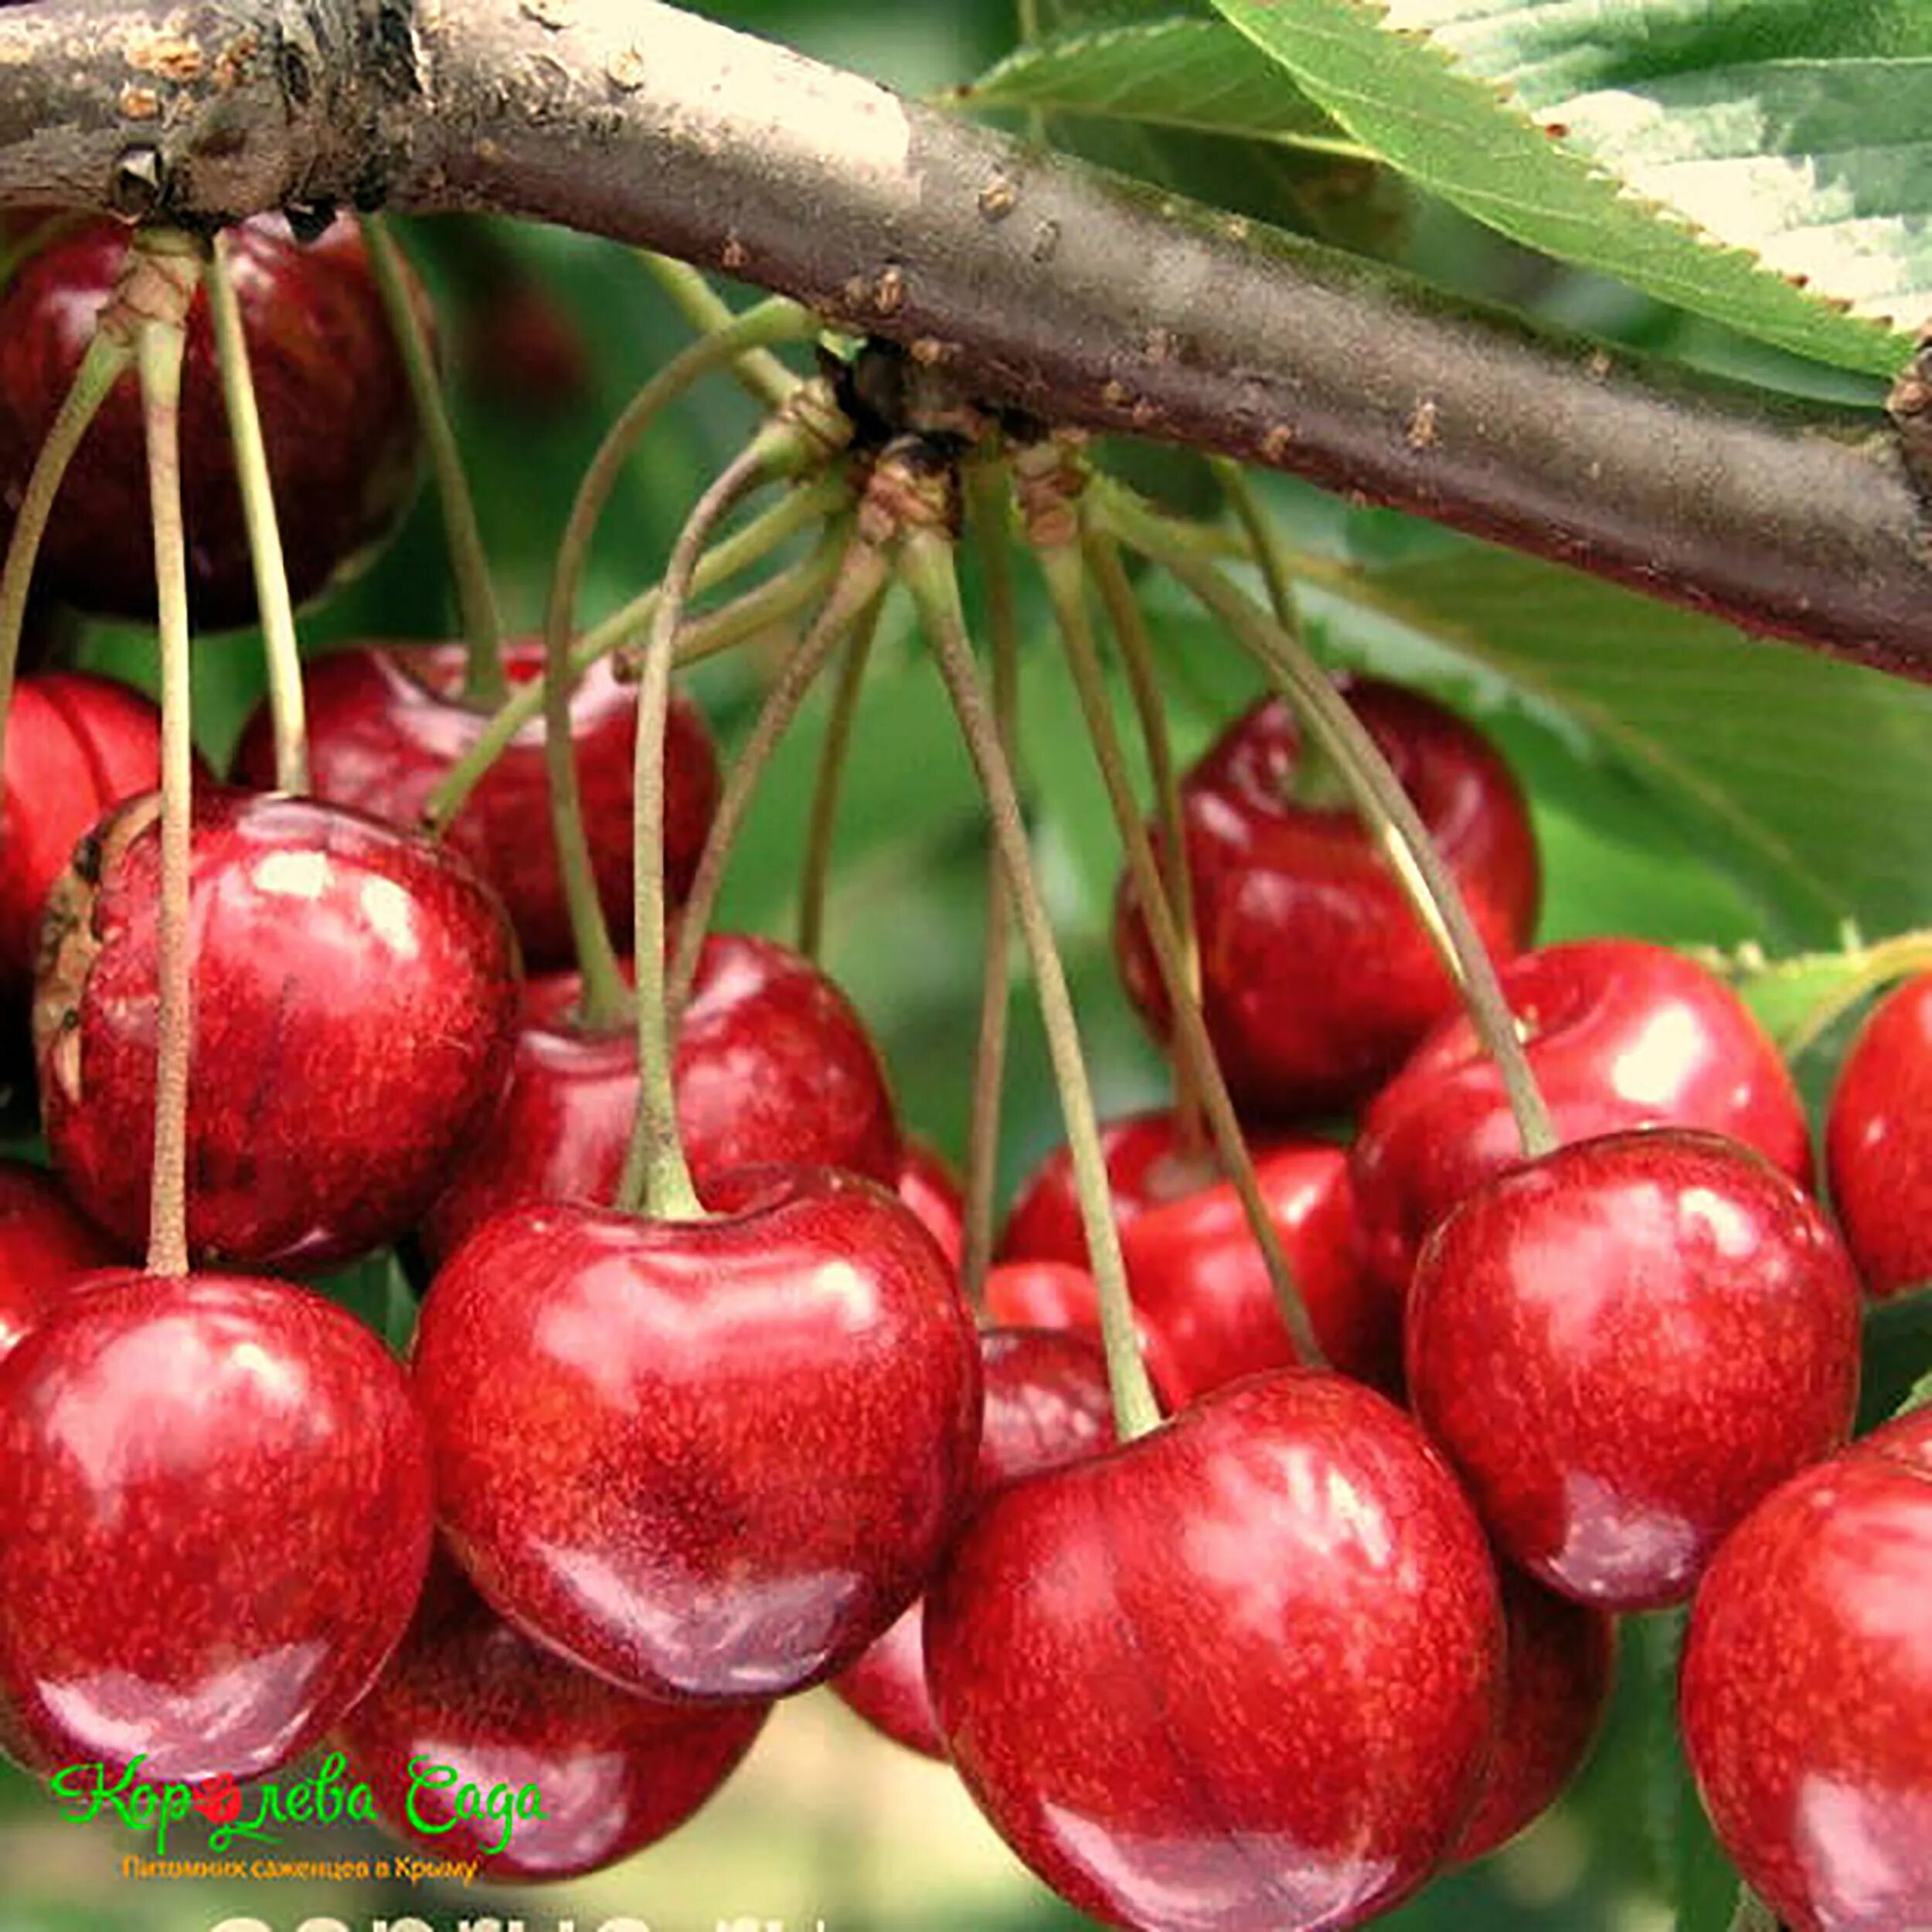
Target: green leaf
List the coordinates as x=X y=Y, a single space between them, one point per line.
x=1821 y=164
x=1897 y=1357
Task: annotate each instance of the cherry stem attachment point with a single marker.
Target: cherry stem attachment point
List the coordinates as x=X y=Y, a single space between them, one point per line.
x=925 y=563
x=756 y=371
x=287 y=704
x=485 y=681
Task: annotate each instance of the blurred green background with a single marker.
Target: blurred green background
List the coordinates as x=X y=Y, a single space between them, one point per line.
x=1659 y=787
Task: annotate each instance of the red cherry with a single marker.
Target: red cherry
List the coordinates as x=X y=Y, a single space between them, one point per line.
x=385 y=723
x=1046 y=1404
x=76 y=745
x=1878 y=1142
x=1620 y=1034
x=214 y=1522
x=928 y=1184
x=469 y=1701
x=773 y=1065
x=731 y=1450
x=1053 y=1294
x=45 y=1244
x=354 y=1008
x=1316 y=976
x=340 y=430
x=1243 y=1672
x=1806 y=1693
x=1200 y=1284
x=1623 y=1346
x=1561 y=1658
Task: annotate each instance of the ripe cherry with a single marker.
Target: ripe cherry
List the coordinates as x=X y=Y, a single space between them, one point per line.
x=341 y=430
x=214 y=1523
x=1243 y=1672
x=386 y=723
x=1620 y=1034
x=1623 y=1346
x=45 y=1244
x=1317 y=978
x=479 y=1705
x=1878 y=1144
x=772 y=1064
x=1056 y=1294
x=1806 y=1692
x=354 y=995
x=1046 y=1404
x=732 y=1449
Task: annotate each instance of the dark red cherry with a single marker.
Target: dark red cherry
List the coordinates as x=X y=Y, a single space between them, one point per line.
x=355 y=997
x=730 y=1450
x=1878 y=1141
x=928 y=1184
x=1561 y=1658
x=341 y=430
x=214 y=1523
x=45 y=1244
x=1056 y=1294
x=1046 y=1404
x=1620 y=1034
x=1243 y=1672
x=468 y=1702
x=1317 y=978
x=1623 y=1346
x=1200 y=1284
x=77 y=744
x=772 y=1064
x=1805 y=1698
x=386 y=723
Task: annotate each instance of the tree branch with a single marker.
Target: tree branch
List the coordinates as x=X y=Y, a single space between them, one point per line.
x=1041 y=282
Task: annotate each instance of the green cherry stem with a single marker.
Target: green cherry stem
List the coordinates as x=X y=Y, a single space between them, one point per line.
x=159 y=350
x=1267 y=553
x=988 y=494
x=486 y=682
x=759 y=372
x=1753 y=1914
x=926 y=562
x=1385 y=808
x=852 y=602
x=1061 y=565
x=772 y=602
x=287 y=704
x=815 y=878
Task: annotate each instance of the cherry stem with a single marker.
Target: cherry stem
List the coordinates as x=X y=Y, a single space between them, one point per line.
x=759 y=372
x=1135 y=649
x=158 y=352
x=656 y=1177
x=986 y=495
x=1066 y=583
x=927 y=564
x=821 y=831
x=486 y=682
x=849 y=608
x=106 y=359
x=1753 y=1914
x=1872 y=967
x=286 y=703
x=759 y=611
x=1385 y=808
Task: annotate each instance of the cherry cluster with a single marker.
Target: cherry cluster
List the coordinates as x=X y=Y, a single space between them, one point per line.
x=1341 y=1618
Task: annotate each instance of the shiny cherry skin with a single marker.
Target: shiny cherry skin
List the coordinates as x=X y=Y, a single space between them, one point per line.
x=732 y=1449
x=1243 y=1672
x=1620 y=1034
x=1625 y=1345
x=1561 y=1658
x=343 y=446
x=76 y=745
x=1805 y=1697
x=1199 y=1282
x=45 y=1243
x=354 y=1013
x=1317 y=978
x=469 y=1696
x=1046 y=1404
x=214 y=1520
x=1878 y=1141
x=929 y=1185
x=386 y=723
x=772 y=1064
x=1056 y=1294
